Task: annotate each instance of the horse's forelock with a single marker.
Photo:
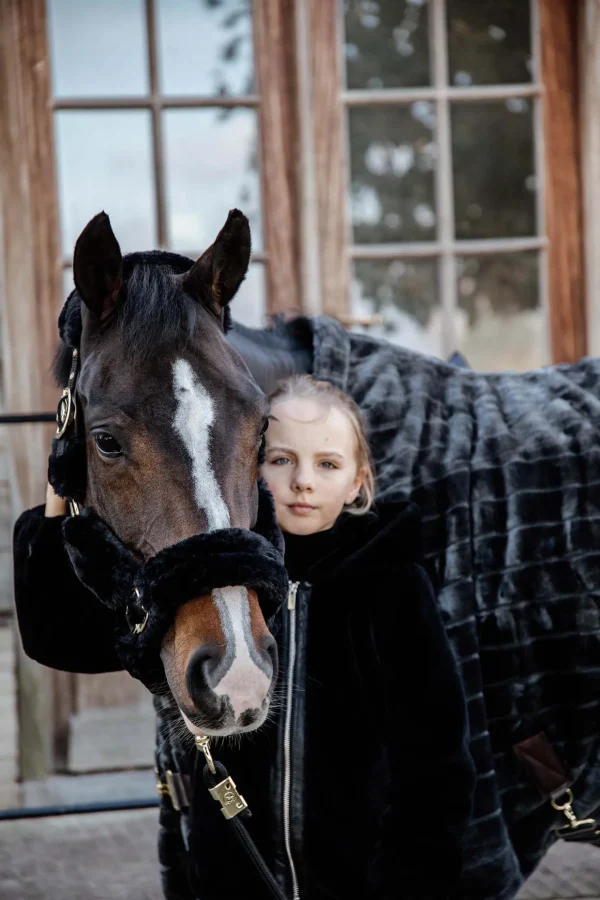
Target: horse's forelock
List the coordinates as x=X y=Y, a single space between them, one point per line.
x=153 y=310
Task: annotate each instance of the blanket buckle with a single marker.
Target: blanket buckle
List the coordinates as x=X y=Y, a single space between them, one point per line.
x=175 y=788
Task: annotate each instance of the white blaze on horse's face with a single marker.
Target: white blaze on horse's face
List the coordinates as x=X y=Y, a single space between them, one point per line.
x=241 y=679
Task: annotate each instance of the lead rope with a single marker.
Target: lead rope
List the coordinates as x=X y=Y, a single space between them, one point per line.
x=222 y=788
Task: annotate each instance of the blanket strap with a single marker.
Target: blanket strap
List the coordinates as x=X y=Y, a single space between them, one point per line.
x=539 y=759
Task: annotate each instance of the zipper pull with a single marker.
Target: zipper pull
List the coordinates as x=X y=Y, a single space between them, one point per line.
x=294 y=585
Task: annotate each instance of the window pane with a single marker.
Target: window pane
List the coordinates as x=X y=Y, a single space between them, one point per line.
x=489 y=41
x=98 y=48
x=392 y=162
x=205 y=47
x=249 y=304
x=499 y=321
x=211 y=167
x=493 y=162
x=386 y=44
x=404 y=292
x=104 y=163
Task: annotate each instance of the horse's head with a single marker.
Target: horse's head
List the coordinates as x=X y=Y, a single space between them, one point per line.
x=173 y=423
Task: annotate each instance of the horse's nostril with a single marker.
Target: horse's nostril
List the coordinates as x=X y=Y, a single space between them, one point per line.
x=269 y=646
x=201 y=668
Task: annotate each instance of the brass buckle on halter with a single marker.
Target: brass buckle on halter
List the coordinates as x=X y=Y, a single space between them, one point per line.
x=66 y=411
x=136 y=627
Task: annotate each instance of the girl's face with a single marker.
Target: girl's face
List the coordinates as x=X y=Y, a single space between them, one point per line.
x=310 y=464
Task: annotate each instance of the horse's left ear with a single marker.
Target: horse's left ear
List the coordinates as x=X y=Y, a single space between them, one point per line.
x=98 y=266
x=216 y=276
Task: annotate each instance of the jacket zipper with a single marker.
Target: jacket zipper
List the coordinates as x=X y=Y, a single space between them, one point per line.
x=287 y=767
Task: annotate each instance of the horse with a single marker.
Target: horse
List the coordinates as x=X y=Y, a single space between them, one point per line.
x=173 y=421
x=505 y=468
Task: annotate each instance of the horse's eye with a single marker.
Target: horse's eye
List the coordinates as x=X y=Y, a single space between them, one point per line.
x=107 y=445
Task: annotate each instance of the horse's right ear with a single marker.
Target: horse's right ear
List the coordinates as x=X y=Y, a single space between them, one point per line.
x=216 y=276
x=98 y=266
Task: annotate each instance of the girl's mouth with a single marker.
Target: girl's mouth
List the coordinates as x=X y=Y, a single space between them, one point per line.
x=301 y=509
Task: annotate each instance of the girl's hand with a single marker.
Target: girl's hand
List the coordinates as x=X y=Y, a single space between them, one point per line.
x=55 y=505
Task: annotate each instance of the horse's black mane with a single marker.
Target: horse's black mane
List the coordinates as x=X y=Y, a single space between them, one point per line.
x=153 y=312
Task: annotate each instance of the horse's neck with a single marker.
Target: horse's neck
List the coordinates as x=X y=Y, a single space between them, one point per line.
x=271 y=356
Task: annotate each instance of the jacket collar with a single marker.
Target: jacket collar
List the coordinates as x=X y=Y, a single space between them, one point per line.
x=390 y=534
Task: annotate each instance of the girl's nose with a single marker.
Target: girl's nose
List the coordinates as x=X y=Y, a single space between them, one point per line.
x=302 y=481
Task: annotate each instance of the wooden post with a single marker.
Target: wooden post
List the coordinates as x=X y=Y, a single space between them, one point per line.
x=274 y=42
x=589 y=41
x=31 y=288
x=330 y=152
x=559 y=44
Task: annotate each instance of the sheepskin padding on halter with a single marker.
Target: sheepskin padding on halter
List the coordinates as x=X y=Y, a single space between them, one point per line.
x=191 y=568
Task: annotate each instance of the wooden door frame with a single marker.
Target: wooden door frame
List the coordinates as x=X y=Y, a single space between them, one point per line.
x=30 y=273
x=589 y=106
x=563 y=166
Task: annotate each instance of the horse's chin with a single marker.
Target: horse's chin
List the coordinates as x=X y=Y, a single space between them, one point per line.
x=205 y=729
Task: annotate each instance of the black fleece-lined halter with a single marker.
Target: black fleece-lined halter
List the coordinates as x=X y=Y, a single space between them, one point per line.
x=145 y=596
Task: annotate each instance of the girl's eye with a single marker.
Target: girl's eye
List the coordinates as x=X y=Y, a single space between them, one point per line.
x=328 y=465
x=280 y=461
x=107 y=445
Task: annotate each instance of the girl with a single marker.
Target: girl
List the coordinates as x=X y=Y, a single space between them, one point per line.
x=362 y=783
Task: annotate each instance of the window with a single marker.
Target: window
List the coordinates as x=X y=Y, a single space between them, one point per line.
x=445 y=195
x=156 y=121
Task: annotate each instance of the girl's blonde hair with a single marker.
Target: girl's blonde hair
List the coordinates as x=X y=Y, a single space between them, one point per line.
x=305 y=386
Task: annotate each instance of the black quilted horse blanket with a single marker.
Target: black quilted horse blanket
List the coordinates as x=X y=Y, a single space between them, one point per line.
x=506 y=469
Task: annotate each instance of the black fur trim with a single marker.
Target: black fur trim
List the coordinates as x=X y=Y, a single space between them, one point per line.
x=191 y=568
x=266 y=518
x=69 y=322
x=100 y=560
x=67 y=466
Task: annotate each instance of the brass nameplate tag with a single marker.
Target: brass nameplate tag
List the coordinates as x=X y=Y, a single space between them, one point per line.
x=226 y=793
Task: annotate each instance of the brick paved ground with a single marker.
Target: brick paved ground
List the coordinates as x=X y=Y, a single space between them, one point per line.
x=568 y=871
x=111 y=856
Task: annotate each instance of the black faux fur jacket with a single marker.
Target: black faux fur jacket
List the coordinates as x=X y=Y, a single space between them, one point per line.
x=371 y=742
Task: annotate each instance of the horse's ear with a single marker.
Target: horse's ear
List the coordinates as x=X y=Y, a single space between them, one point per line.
x=98 y=266
x=217 y=275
